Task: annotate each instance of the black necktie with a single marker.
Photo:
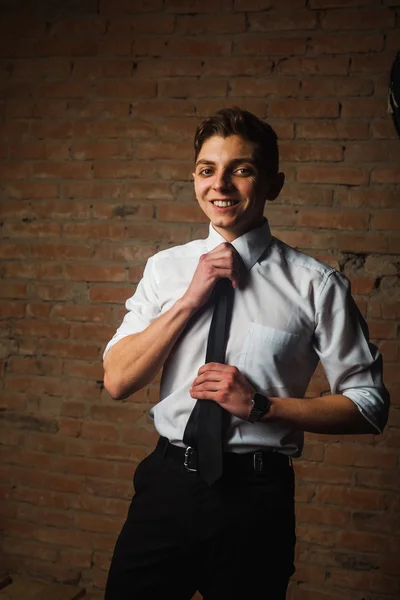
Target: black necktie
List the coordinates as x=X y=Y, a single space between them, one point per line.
x=204 y=429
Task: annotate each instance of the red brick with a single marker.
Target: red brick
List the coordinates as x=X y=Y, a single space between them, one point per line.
x=121 y=170
x=37 y=310
x=161 y=150
x=34 y=365
x=101 y=149
x=389 y=174
x=55 y=291
x=95 y=68
x=202 y=24
x=41 y=329
x=93 y=331
x=279 y=216
x=131 y=129
x=175 y=234
x=64 y=47
x=307 y=239
x=90 y=272
x=135 y=274
x=364 y=107
x=259 y=45
x=72 y=349
x=277 y=21
x=325 y=65
x=67 y=170
x=352 y=497
x=362 y=285
x=61 y=251
x=383 y=129
x=303 y=108
x=89 y=27
x=193 y=6
x=365 y=19
x=95 y=230
x=338 y=3
x=360 y=540
x=180 y=46
x=32 y=189
x=345 y=43
x=79 y=558
x=297 y=151
x=313 y=534
x=266 y=4
x=373 y=152
x=141 y=23
x=10 y=289
x=125 y=253
x=170 y=108
x=9 y=170
x=126 y=89
x=187 y=88
x=363 y=243
x=83 y=370
x=64 y=89
x=323 y=515
x=388 y=479
x=388 y=220
x=375 y=198
x=28 y=549
x=304 y=195
x=108 y=294
x=11 y=310
x=360 y=456
x=59 y=130
x=74 y=312
x=333 y=219
x=281 y=87
x=32 y=270
x=336 y=175
x=180 y=213
x=32 y=229
x=338 y=86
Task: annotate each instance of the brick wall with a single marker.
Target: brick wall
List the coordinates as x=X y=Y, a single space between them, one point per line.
x=99 y=103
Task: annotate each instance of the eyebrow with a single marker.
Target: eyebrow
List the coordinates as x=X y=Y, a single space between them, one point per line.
x=205 y=161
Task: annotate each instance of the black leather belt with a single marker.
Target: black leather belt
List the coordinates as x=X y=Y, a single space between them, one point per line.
x=260 y=461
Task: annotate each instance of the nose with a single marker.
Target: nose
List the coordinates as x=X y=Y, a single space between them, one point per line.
x=222 y=181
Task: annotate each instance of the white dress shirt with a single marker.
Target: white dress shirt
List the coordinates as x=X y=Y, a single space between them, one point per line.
x=291 y=312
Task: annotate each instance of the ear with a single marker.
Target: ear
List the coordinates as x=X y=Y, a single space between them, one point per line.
x=275 y=186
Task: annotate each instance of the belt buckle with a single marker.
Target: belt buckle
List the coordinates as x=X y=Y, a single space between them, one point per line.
x=258 y=462
x=190 y=460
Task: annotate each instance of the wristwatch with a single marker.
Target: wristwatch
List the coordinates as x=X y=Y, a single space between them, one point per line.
x=260 y=408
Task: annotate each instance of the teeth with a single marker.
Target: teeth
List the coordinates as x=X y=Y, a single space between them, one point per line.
x=223 y=203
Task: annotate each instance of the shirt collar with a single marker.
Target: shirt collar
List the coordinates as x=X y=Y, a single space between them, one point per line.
x=250 y=245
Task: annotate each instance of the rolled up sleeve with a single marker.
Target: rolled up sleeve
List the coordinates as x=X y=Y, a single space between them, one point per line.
x=143 y=307
x=352 y=364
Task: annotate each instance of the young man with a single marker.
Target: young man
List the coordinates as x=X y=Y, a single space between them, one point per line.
x=234 y=539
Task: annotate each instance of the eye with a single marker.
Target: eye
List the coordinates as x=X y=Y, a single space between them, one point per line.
x=205 y=172
x=244 y=171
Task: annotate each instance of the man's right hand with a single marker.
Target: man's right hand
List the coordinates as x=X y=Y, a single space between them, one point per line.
x=222 y=262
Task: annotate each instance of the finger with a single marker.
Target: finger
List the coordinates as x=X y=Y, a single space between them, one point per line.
x=205 y=395
x=215 y=366
x=208 y=376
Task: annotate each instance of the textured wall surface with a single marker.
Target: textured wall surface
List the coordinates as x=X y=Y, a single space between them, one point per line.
x=99 y=103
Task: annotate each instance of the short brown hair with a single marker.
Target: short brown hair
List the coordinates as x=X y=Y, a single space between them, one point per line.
x=236 y=121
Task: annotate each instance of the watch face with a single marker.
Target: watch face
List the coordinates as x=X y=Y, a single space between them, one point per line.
x=261 y=403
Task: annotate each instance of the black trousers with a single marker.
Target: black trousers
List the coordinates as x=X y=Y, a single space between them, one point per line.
x=233 y=540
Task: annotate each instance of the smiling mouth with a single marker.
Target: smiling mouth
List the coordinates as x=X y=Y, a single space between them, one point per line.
x=224 y=203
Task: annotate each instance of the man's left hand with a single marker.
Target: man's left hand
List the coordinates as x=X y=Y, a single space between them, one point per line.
x=226 y=385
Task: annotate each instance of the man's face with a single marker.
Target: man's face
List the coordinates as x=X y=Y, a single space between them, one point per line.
x=229 y=186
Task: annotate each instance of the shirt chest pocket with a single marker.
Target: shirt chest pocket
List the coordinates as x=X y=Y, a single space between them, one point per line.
x=266 y=348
